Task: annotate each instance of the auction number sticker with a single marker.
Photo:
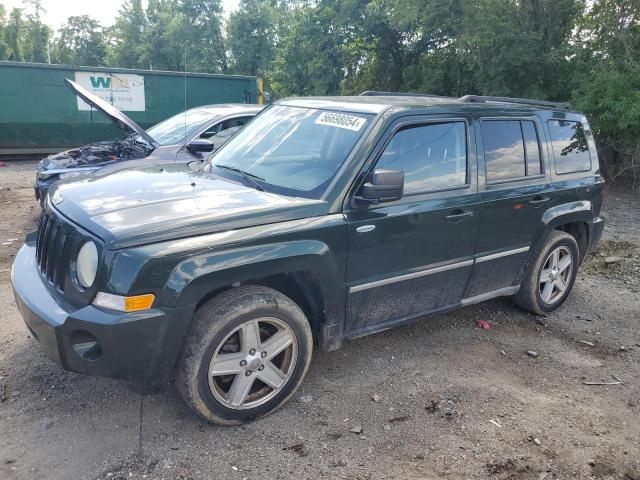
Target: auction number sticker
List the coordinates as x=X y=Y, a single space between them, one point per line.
x=341 y=120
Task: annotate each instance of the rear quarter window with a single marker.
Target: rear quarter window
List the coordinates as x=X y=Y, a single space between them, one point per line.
x=570 y=147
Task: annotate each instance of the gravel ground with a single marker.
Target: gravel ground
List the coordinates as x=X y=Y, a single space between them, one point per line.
x=440 y=398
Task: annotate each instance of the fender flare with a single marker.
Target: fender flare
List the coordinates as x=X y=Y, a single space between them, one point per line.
x=196 y=277
x=579 y=211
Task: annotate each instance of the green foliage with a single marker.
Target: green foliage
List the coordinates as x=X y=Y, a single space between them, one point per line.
x=584 y=50
x=128 y=32
x=37 y=34
x=252 y=35
x=308 y=58
x=14 y=32
x=607 y=83
x=81 y=42
x=4 y=47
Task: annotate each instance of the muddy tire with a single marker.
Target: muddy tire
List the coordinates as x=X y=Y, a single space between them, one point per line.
x=245 y=355
x=551 y=276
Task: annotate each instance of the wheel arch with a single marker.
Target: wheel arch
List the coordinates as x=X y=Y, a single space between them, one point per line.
x=307 y=271
x=572 y=218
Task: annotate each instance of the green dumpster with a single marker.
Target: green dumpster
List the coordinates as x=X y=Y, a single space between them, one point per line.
x=39 y=114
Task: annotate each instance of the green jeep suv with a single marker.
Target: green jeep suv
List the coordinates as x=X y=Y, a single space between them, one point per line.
x=322 y=220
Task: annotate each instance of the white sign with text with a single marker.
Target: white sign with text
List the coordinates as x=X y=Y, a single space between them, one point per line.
x=124 y=91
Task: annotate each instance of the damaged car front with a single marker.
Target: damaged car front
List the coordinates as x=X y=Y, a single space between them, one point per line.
x=186 y=136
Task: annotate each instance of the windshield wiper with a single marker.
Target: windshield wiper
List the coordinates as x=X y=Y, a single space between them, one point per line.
x=250 y=177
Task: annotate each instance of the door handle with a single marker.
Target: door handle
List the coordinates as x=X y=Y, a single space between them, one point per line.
x=366 y=228
x=458 y=214
x=538 y=200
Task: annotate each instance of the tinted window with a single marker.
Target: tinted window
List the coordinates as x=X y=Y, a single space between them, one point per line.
x=503 y=150
x=431 y=156
x=532 y=148
x=570 y=147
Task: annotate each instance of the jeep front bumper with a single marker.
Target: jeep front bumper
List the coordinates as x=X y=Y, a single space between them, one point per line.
x=139 y=348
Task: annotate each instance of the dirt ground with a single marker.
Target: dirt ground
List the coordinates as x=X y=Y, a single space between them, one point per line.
x=453 y=400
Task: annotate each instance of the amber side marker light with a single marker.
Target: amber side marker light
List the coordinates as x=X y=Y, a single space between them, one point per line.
x=121 y=303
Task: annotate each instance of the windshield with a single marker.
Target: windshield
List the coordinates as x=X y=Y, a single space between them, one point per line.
x=175 y=129
x=292 y=150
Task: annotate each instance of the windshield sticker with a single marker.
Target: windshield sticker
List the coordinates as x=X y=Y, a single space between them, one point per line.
x=341 y=120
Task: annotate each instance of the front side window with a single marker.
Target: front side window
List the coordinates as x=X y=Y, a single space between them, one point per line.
x=570 y=147
x=292 y=150
x=175 y=129
x=432 y=156
x=511 y=149
x=218 y=129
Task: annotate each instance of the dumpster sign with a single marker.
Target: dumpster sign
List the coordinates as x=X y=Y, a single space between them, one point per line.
x=124 y=91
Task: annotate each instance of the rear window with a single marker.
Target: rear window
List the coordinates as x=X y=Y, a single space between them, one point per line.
x=511 y=149
x=570 y=147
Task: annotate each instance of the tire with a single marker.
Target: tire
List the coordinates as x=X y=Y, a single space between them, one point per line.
x=225 y=332
x=534 y=294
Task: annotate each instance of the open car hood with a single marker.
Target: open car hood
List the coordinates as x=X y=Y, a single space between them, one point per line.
x=119 y=118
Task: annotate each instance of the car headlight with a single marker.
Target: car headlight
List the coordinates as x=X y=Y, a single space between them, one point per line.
x=44 y=175
x=70 y=175
x=87 y=264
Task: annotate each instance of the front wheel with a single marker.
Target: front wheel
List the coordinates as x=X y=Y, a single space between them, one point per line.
x=550 y=278
x=245 y=355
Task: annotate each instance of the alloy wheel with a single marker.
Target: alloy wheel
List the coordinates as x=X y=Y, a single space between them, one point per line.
x=253 y=363
x=555 y=275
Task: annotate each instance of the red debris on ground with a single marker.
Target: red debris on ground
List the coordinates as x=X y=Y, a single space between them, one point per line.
x=483 y=324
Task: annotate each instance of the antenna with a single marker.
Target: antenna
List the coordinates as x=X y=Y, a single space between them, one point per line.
x=91 y=123
x=185 y=93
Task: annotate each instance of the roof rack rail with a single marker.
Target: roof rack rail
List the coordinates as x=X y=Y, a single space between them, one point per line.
x=373 y=93
x=523 y=101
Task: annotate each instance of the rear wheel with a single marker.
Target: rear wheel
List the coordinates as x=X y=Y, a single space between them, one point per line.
x=551 y=276
x=245 y=356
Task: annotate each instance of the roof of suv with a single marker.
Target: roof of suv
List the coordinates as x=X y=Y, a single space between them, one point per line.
x=229 y=108
x=376 y=102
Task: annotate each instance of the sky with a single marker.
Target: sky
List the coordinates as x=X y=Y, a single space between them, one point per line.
x=104 y=11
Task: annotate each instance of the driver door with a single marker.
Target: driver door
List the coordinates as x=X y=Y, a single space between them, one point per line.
x=414 y=255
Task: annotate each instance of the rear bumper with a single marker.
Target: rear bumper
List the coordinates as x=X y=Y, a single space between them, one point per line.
x=139 y=348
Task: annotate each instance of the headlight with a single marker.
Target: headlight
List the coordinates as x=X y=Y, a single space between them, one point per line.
x=44 y=175
x=70 y=175
x=87 y=264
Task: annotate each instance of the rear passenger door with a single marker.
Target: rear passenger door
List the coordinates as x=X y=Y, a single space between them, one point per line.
x=513 y=175
x=414 y=255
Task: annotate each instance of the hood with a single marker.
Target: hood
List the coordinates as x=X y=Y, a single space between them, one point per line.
x=162 y=202
x=119 y=118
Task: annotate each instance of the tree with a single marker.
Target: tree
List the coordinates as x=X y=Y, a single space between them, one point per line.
x=13 y=35
x=252 y=35
x=81 y=42
x=607 y=85
x=201 y=35
x=128 y=33
x=35 y=42
x=308 y=59
x=4 y=47
x=162 y=47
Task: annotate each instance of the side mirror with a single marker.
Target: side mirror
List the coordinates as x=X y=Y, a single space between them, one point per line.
x=200 y=145
x=384 y=186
